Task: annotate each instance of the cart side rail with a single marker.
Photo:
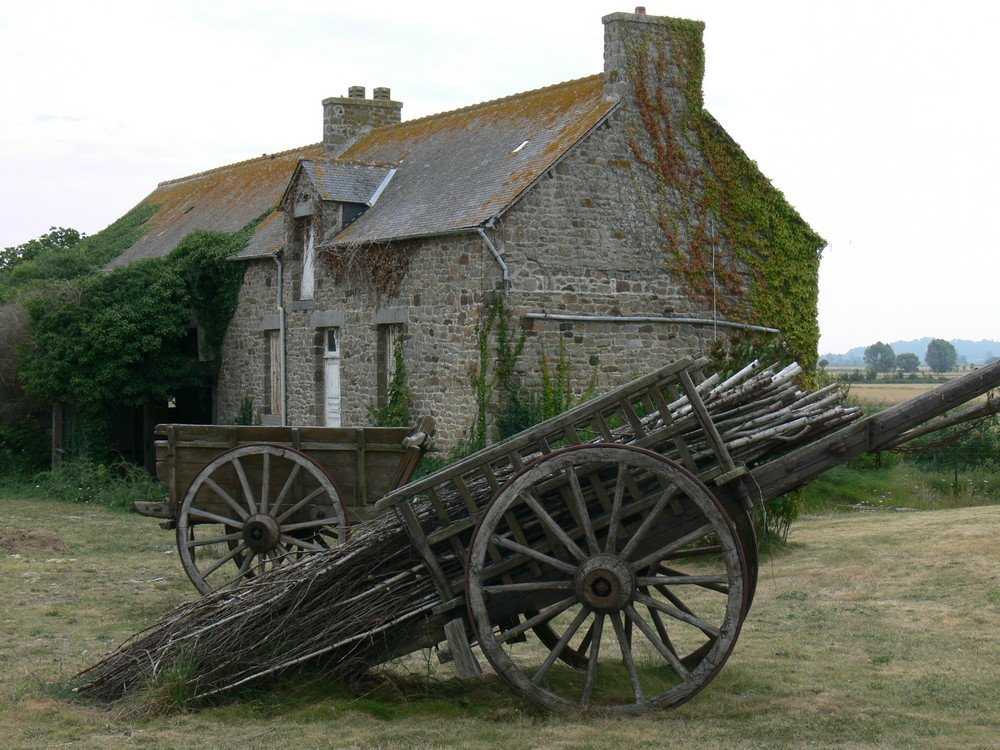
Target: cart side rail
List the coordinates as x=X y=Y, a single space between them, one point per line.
x=878 y=432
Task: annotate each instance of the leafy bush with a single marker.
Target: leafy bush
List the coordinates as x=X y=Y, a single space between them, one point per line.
x=24 y=449
x=115 y=485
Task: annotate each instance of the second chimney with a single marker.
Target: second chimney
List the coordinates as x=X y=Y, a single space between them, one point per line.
x=346 y=120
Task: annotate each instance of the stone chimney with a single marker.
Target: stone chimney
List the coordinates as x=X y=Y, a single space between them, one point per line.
x=345 y=120
x=645 y=54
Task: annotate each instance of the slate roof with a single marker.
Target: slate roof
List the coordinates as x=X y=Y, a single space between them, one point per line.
x=225 y=199
x=455 y=171
x=345 y=181
x=458 y=170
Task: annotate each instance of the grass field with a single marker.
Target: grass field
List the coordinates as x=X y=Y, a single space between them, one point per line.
x=871 y=630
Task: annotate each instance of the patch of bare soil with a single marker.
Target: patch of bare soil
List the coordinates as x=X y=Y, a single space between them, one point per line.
x=31 y=542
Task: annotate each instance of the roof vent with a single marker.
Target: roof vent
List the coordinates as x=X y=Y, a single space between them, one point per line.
x=522 y=145
x=382 y=92
x=356 y=92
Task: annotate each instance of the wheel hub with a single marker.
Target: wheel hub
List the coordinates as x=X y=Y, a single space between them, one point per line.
x=261 y=533
x=605 y=583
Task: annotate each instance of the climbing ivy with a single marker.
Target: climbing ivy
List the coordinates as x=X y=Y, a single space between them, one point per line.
x=65 y=254
x=396 y=402
x=503 y=401
x=124 y=338
x=729 y=236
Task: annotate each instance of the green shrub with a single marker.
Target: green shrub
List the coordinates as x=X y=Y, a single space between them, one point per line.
x=115 y=484
x=24 y=450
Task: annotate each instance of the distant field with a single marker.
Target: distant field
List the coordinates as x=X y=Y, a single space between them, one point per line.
x=889 y=393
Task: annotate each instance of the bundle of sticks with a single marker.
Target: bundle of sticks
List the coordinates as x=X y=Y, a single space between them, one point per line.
x=358 y=605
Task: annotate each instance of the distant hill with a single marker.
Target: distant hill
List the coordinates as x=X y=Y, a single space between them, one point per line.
x=972 y=352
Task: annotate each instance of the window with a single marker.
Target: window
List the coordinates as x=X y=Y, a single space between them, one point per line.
x=332 y=410
x=308 y=281
x=389 y=336
x=274 y=390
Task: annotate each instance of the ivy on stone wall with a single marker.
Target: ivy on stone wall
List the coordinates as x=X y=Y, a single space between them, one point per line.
x=730 y=237
x=394 y=409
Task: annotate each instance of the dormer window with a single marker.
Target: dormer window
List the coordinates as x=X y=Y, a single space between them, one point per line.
x=350 y=212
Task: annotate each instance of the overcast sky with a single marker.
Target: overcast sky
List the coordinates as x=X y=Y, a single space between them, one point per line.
x=878 y=119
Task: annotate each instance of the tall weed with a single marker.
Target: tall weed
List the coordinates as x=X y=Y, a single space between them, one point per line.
x=82 y=480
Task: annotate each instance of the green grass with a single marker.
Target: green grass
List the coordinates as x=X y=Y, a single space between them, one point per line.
x=872 y=629
x=903 y=486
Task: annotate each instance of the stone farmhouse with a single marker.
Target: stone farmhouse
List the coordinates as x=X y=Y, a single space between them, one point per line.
x=612 y=218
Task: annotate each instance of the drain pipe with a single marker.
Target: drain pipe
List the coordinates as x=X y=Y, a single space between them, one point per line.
x=496 y=254
x=282 y=364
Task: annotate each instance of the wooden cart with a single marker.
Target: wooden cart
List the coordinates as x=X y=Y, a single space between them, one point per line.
x=603 y=560
x=631 y=572
x=244 y=499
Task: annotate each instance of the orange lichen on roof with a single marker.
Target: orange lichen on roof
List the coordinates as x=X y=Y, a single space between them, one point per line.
x=224 y=199
x=459 y=169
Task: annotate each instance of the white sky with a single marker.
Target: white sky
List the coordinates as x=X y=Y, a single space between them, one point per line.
x=877 y=118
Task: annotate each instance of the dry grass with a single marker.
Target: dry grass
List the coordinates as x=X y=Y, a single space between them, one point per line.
x=872 y=630
x=888 y=394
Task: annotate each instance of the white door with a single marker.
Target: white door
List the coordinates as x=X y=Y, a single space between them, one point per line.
x=331 y=379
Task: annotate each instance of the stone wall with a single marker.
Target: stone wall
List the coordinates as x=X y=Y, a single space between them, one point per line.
x=244 y=350
x=437 y=305
x=583 y=244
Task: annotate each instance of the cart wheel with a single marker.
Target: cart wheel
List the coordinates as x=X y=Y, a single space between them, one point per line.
x=254 y=508
x=625 y=562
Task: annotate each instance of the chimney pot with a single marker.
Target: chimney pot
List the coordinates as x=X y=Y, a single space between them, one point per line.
x=356 y=92
x=640 y=10
x=381 y=92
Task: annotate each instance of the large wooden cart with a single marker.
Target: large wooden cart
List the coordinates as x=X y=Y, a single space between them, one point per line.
x=245 y=499
x=595 y=572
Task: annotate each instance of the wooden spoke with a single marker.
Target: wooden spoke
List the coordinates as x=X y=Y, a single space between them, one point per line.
x=508 y=588
x=302 y=543
x=248 y=494
x=199 y=514
x=233 y=553
x=192 y=543
x=242 y=512
x=228 y=527
x=534 y=554
x=628 y=510
x=625 y=645
x=647 y=522
x=540 y=619
x=583 y=514
x=656 y=555
x=553 y=527
x=654 y=637
x=716 y=582
x=595 y=634
x=265 y=482
x=678 y=614
x=300 y=504
x=561 y=644
x=286 y=488
x=616 y=511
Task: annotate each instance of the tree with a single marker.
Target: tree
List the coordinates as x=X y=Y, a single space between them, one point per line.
x=907 y=362
x=941 y=355
x=58 y=238
x=880 y=357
